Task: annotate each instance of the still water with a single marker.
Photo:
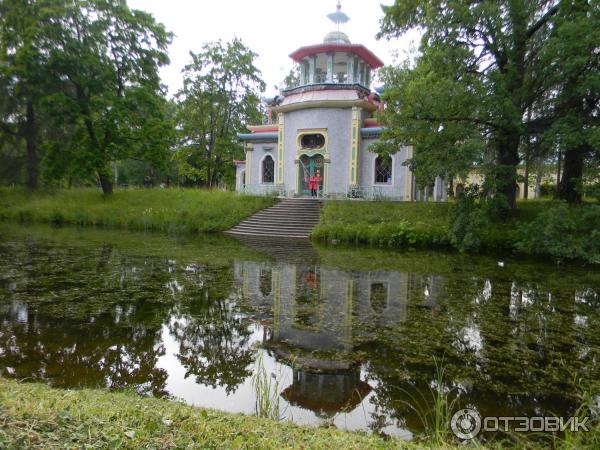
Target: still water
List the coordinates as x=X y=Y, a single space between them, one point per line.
x=353 y=338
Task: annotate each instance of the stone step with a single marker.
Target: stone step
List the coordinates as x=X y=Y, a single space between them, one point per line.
x=289 y=220
x=271 y=228
x=266 y=234
x=294 y=218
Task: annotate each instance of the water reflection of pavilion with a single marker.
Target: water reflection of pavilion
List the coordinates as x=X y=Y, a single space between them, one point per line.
x=316 y=315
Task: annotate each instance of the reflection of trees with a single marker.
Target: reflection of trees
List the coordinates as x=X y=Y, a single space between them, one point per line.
x=83 y=317
x=97 y=354
x=214 y=339
x=510 y=347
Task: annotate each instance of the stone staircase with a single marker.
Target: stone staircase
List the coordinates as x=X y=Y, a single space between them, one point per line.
x=290 y=218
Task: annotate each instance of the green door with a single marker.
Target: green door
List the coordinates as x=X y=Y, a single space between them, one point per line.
x=308 y=168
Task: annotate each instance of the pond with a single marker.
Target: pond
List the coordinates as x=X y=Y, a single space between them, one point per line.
x=353 y=338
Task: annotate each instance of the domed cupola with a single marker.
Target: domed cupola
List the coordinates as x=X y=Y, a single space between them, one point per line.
x=336 y=37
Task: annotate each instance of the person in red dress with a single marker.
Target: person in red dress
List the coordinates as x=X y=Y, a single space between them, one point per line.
x=313 y=183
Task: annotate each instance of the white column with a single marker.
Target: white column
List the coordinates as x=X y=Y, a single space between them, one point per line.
x=361 y=71
x=330 y=67
x=350 y=69
x=363 y=74
x=302 y=72
x=311 y=69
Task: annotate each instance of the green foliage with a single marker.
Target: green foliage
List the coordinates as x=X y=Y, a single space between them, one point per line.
x=563 y=232
x=469 y=220
x=495 y=83
x=472 y=224
x=220 y=95
x=267 y=391
x=168 y=210
x=79 y=83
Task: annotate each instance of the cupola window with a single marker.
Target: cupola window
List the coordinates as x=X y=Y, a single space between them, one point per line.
x=312 y=141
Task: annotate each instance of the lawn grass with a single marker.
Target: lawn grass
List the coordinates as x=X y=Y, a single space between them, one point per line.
x=33 y=415
x=385 y=224
x=167 y=210
x=418 y=225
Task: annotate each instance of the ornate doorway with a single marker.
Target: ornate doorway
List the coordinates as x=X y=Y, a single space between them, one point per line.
x=308 y=167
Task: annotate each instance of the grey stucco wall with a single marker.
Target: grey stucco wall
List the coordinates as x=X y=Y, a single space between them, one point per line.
x=338 y=122
x=259 y=152
x=367 y=170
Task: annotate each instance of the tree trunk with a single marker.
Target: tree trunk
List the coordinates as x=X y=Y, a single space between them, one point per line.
x=569 y=188
x=538 y=183
x=507 y=158
x=558 y=169
x=31 y=143
x=104 y=177
x=526 y=181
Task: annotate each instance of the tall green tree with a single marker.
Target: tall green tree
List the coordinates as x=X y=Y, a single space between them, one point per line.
x=220 y=95
x=107 y=56
x=24 y=80
x=478 y=76
x=571 y=118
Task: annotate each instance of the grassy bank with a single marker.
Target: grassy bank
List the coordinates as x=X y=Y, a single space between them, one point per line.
x=384 y=224
x=36 y=416
x=169 y=210
x=542 y=228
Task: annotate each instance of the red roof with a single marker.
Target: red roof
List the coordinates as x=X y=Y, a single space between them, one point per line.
x=359 y=50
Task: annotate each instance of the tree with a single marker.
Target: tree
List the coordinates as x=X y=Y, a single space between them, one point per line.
x=488 y=52
x=23 y=76
x=107 y=57
x=572 y=61
x=292 y=79
x=220 y=94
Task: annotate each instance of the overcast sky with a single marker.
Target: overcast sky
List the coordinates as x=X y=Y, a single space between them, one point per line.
x=271 y=28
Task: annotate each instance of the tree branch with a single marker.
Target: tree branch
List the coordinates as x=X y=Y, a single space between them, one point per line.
x=542 y=21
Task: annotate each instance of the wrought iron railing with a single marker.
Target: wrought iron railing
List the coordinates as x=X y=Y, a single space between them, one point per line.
x=375 y=193
x=355 y=192
x=265 y=189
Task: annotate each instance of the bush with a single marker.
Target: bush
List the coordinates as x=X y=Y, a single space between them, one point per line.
x=563 y=232
x=469 y=220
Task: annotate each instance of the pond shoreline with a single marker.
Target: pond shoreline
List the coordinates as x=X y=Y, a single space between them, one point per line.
x=383 y=225
x=34 y=415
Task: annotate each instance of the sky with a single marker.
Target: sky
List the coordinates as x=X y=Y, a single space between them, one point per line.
x=271 y=28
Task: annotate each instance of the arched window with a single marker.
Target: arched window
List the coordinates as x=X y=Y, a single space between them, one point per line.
x=383 y=170
x=268 y=169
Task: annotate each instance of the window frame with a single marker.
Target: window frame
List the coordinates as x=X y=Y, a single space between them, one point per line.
x=379 y=183
x=262 y=169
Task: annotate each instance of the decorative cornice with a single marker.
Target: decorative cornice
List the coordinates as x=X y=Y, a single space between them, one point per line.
x=359 y=50
x=326 y=104
x=371 y=132
x=258 y=137
x=262 y=128
x=362 y=90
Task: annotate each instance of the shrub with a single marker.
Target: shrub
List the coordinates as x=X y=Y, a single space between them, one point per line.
x=563 y=232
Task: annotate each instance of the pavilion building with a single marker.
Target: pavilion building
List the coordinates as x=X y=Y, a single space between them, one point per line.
x=327 y=124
